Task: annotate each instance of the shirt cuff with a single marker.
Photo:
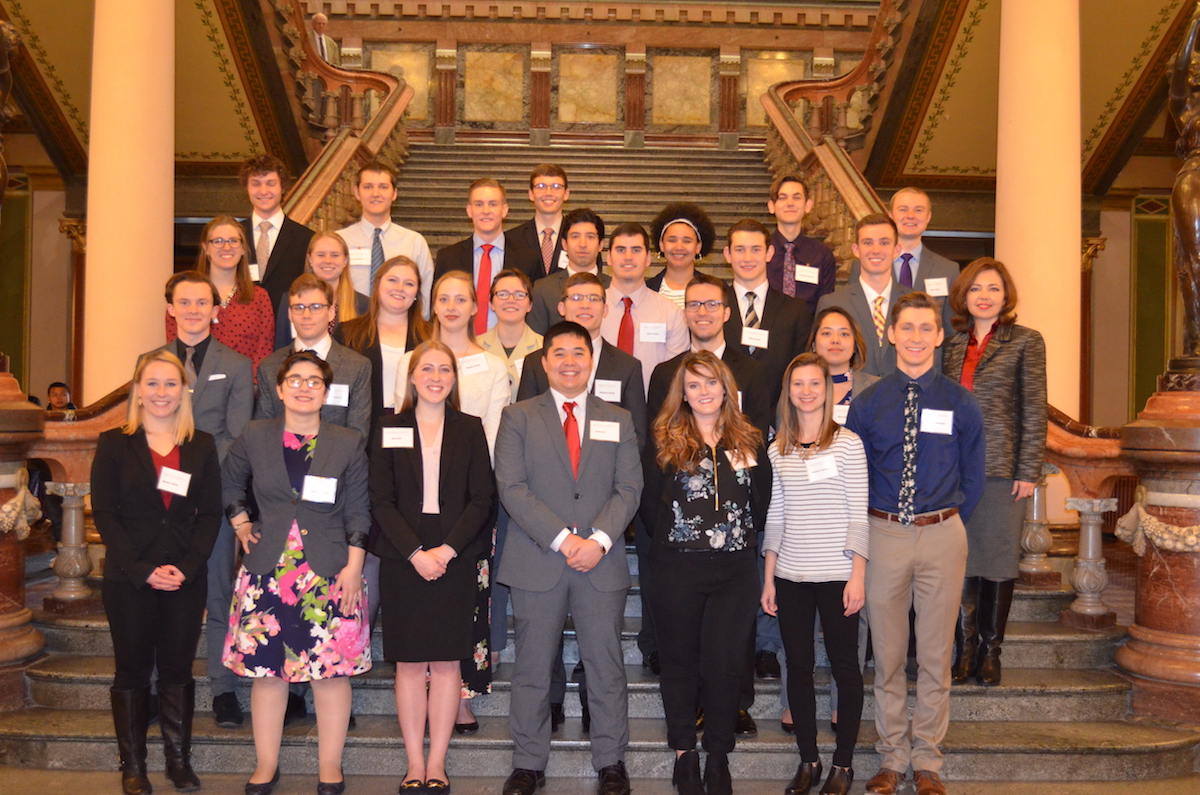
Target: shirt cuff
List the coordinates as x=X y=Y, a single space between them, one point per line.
x=558 y=539
x=601 y=538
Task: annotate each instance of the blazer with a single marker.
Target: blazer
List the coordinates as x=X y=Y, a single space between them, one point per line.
x=138 y=531
x=530 y=342
x=547 y=295
x=757 y=397
x=460 y=256
x=932 y=266
x=466 y=489
x=1010 y=385
x=374 y=355
x=789 y=321
x=287 y=257
x=881 y=356
x=340 y=453
x=283 y=323
x=526 y=235
x=615 y=365
x=349 y=368
x=223 y=397
x=543 y=496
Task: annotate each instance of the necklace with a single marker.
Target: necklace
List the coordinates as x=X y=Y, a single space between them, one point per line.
x=225 y=301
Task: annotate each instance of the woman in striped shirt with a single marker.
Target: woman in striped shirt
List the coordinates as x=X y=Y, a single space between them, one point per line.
x=815 y=544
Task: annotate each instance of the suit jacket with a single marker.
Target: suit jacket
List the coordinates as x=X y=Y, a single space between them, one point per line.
x=283 y=323
x=789 y=321
x=340 y=453
x=1010 y=385
x=349 y=368
x=543 y=496
x=757 y=397
x=460 y=256
x=374 y=355
x=333 y=52
x=932 y=266
x=547 y=295
x=466 y=489
x=223 y=397
x=881 y=356
x=140 y=533
x=615 y=365
x=526 y=235
x=287 y=257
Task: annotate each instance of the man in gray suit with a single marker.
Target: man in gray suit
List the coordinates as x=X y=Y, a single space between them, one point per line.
x=568 y=471
x=222 y=384
x=917 y=267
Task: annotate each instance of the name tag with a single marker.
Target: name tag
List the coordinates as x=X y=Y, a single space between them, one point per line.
x=934 y=421
x=339 y=395
x=840 y=412
x=607 y=389
x=807 y=274
x=937 y=287
x=319 y=489
x=822 y=467
x=360 y=256
x=755 y=337
x=216 y=376
x=174 y=481
x=653 y=332
x=475 y=363
x=520 y=365
x=397 y=437
x=738 y=462
x=563 y=261
x=605 y=431
x=254 y=275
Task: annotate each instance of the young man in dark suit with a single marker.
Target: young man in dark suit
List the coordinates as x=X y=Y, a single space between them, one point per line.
x=278 y=245
x=541 y=234
x=584 y=234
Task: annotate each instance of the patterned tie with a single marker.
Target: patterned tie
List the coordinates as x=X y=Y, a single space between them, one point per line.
x=789 y=269
x=906 y=276
x=483 y=286
x=376 y=253
x=189 y=367
x=262 y=251
x=877 y=316
x=571 y=428
x=751 y=315
x=908 y=476
x=547 y=247
x=625 y=333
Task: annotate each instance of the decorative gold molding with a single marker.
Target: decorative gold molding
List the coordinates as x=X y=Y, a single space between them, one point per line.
x=76 y=230
x=1092 y=246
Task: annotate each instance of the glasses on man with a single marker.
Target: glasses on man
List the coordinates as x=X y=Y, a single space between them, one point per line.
x=300 y=309
x=557 y=187
x=710 y=306
x=505 y=295
x=312 y=381
x=222 y=242
x=590 y=298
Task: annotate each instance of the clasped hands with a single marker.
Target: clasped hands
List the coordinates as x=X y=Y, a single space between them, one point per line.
x=431 y=563
x=166 y=578
x=582 y=554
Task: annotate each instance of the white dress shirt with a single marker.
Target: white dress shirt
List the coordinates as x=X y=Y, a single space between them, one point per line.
x=397 y=240
x=580 y=412
x=320 y=348
x=760 y=299
x=648 y=307
x=541 y=232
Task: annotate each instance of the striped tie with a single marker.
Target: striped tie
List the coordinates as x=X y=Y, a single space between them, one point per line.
x=877 y=316
x=376 y=253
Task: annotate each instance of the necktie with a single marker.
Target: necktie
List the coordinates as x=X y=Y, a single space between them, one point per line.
x=908 y=475
x=625 y=334
x=789 y=269
x=262 y=250
x=333 y=323
x=906 y=270
x=547 y=248
x=189 y=367
x=376 y=253
x=483 y=287
x=877 y=316
x=571 y=428
x=751 y=313
x=321 y=47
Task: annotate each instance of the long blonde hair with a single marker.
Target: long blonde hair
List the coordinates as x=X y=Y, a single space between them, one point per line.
x=185 y=426
x=245 y=285
x=464 y=277
x=343 y=293
x=788 y=437
x=414 y=361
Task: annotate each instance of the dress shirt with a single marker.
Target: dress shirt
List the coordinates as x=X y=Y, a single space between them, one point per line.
x=950 y=467
x=805 y=251
x=915 y=264
x=719 y=352
x=497 y=257
x=276 y=221
x=648 y=307
x=321 y=348
x=431 y=469
x=760 y=299
x=390 y=357
x=200 y=348
x=397 y=240
x=580 y=412
x=541 y=232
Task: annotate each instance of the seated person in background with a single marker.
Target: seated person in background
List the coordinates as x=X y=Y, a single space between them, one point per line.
x=58 y=397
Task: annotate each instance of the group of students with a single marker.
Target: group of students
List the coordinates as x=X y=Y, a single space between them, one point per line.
x=431 y=440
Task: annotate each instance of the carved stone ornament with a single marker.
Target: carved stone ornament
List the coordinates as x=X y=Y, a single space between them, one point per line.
x=22 y=510
x=1138 y=527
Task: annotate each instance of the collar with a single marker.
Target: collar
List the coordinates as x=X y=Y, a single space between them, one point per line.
x=924 y=381
x=559 y=399
x=321 y=348
x=719 y=352
x=541 y=228
x=477 y=241
x=916 y=254
x=202 y=345
x=871 y=294
x=615 y=297
x=276 y=220
x=570 y=269
x=369 y=228
x=760 y=290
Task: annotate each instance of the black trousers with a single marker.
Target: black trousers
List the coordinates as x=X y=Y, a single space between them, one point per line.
x=152 y=628
x=799 y=603
x=704 y=602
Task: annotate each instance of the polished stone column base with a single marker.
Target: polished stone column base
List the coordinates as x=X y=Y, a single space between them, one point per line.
x=1165 y=671
x=1069 y=618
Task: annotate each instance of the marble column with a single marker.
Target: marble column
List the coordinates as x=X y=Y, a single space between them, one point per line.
x=1038 y=202
x=635 y=95
x=729 y=110
x=76 y=231
x=131 y=174
x=445 y=101
x=539 y=94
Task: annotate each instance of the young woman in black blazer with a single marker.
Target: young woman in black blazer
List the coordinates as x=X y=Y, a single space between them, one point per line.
x=433 y=497
x=156 y=499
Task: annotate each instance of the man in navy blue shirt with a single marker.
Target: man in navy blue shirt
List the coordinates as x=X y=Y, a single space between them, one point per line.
x=923 y=436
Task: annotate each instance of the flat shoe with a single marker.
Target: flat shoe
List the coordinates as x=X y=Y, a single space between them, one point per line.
x=412 y=787
x=336 y=788
x=264 y=788
x=466 y=728
x=435 y=786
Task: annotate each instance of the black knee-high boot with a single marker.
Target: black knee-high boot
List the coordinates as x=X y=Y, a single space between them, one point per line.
x=177 y=704
x=995 y=600
x=130 y=709
x=966 y=634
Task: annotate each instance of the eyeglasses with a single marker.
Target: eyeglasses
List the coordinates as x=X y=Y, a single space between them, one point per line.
x=222 y=242
x=579 y=298
x=504 y=295
x=312 y=382
x=711 y=306
x=554 y=186
x=299 y=309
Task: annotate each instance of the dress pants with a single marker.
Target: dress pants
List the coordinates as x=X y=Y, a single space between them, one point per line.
x=922 y=567
x=220 y=598
x=152 y=628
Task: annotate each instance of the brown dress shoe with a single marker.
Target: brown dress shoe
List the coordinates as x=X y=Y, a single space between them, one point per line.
x=928 y=783
x=885 y=782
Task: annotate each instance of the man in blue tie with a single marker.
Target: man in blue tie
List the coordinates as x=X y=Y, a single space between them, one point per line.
x=917 y=267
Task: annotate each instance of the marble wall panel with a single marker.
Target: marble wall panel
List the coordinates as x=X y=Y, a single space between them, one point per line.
x=493 y=87
x=682 y=90
x=413 y=65
x=763 y=69
x=587 y=88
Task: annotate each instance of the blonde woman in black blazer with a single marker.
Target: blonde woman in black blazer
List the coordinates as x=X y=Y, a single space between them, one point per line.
x=434 y=498
x=156 y=499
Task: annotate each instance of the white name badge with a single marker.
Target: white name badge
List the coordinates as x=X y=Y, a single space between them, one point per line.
x=934 y=421
x=563 y=260
x=216 y=376
x=840 y=412
x=319 y=489
x=397 y=437
x=174 y=481
x=605 y=431
x=807 y=274
x=822 y=467
x=740 y=463
x=254 y=275
x=607 y=389
x=937 y=287
x=755 y=337
x=360 y=256
x=339 y=395
x=653 y=332
x=475 y=363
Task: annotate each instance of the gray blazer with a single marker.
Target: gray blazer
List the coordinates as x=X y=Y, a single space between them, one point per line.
x=1010 y=385
x=932 y=266
x=340 y=453
x=533 y=475
x=349 y=368
x=547 y=295
x=881 y=357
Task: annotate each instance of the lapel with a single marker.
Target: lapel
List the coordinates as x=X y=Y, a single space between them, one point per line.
x=862 y=312
x=554 y=430
x=450 y=433
x=772 y=306
x=142 y=453
x=604 y=366
x=189 y=461
x=594 y=406
x=322 y=452
x=276 y=464
x=1002 y=335
x=528 y=343
x=411 y=457
x=206 y=369
x=334 y=359
x=281 y=241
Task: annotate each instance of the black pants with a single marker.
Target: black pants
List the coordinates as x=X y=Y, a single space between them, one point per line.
x=154 y=628
x=705 y=603
x=799 y=603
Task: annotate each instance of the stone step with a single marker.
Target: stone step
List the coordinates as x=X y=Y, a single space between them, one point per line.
x=984 y=751
x=582 y=155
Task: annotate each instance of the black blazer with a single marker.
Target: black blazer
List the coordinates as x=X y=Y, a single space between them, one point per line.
x=466 y=489
x=460 y=256
x=757 y=397
x=789 y=321
x=526 y=235
x=140 y=533
x=374 y=354
x=287 y=257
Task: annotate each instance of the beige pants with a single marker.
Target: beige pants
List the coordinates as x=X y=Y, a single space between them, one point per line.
x=921 y=567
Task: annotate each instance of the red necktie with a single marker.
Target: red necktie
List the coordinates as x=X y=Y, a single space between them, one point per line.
x=625 y=333
x=483 y=290
x=571 y=428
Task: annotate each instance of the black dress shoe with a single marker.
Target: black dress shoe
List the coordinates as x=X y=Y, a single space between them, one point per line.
x=745 y=725
x=839 y=781
x=524 y=782
x=558 y=716
x=466 y=728
x=613 y=780
x=717 y=780
x=227 y=712
x=651 y=661
x=265 y=788
x=336 y=788
x=436 y=786
x=686 y=776
x=807 y=774
x=296 y=709
x=412 y=786
x=766 y=665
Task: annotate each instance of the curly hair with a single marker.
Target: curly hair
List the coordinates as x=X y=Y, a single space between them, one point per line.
x=687 y=213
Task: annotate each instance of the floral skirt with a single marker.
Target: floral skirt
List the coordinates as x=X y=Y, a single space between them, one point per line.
x=477 y=669
x=284 y=624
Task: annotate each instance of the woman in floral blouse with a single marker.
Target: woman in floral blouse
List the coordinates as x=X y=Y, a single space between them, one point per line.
x=708 y=482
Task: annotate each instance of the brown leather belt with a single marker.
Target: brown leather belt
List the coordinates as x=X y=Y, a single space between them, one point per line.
x=920 y=520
